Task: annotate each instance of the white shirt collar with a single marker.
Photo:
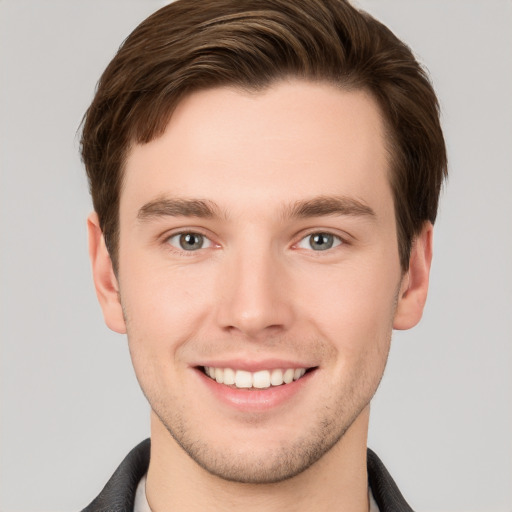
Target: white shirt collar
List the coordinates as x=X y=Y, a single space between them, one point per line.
x=142 y=505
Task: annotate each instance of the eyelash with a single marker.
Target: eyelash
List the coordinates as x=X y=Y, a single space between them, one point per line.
x=337 y=241
x=182 y=251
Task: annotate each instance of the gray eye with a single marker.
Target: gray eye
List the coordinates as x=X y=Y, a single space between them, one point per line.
x=189 y=241
x=320 y=241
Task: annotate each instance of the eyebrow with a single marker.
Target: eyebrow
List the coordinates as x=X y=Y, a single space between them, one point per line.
x=328 y=205
x=206 y=209
x=174 y=207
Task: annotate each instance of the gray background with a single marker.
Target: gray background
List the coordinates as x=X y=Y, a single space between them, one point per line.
x=70 y=405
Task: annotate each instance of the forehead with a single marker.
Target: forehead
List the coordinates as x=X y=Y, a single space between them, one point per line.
x=292 y=140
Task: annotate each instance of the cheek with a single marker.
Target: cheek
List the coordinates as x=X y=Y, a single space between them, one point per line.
x=354 y=310
x=353 y=298
x=165 y=309
x=157 y=297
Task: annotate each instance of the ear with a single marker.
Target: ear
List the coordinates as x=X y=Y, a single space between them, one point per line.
x=105 y=281
x=414 y=287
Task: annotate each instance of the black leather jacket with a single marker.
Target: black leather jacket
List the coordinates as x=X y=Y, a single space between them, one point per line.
x=119 y=493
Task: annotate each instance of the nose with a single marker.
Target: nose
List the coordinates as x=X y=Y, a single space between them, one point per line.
x=255 y=295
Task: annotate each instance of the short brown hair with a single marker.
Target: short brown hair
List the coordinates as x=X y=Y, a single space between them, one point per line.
x=196 y=44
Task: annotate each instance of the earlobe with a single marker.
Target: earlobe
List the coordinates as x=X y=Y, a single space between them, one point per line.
x=414 y=287
x=105 y=281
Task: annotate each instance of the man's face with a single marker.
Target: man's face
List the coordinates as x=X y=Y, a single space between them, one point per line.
x=258 y=240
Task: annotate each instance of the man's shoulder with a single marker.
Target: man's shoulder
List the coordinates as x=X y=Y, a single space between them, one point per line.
x=118 y=495
x=384 y=489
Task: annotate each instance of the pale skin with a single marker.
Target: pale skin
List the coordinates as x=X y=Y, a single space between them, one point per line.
x=294 y=263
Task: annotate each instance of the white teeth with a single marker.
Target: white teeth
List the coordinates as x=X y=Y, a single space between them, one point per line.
x=229 y=376
x=276 y=377
x=298 y=373
x=288 y=375
x=261 y=379
x=243 y=379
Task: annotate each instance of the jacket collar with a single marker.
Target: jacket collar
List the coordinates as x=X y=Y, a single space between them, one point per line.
x=119 y=493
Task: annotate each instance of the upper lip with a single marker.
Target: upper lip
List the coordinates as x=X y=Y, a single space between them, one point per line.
x=254 y=365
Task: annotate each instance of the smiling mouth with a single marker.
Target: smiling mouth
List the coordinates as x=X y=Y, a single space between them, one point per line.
x=263 y=379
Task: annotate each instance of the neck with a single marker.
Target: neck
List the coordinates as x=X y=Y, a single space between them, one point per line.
x=338 y=481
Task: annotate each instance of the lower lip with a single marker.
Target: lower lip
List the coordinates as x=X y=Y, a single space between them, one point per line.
x=254 y=400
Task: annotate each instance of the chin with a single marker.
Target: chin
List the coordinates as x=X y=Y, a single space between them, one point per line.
x=257 y=459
